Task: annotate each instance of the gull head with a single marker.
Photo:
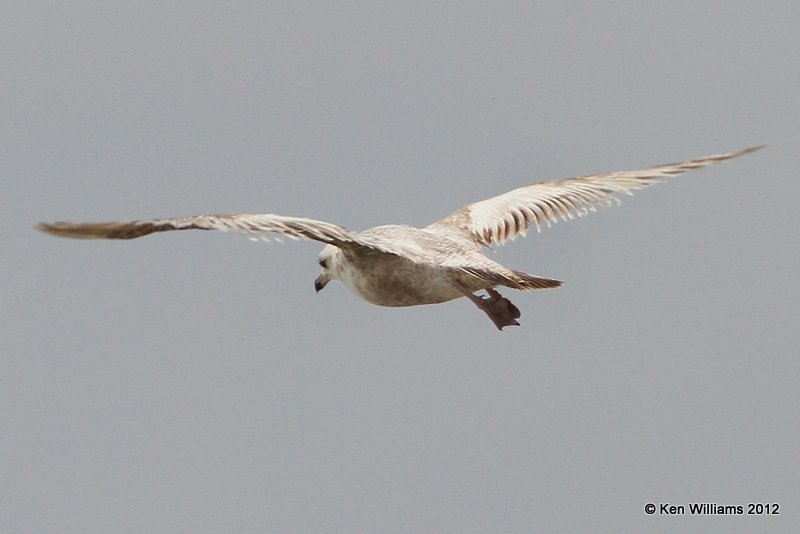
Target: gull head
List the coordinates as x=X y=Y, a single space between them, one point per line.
x=328 y=260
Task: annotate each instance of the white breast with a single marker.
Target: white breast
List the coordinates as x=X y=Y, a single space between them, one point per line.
x=388 y=280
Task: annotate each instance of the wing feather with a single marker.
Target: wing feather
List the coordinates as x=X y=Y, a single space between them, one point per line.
x=257 y=226
x=507 y=216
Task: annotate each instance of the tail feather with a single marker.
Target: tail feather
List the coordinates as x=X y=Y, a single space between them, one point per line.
x=528 y=281
x=503 y=276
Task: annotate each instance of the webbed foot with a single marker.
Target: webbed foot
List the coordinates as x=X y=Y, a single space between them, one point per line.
x=498 y=308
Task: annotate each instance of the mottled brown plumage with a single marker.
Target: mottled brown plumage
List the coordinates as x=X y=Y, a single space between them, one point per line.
x=399 y=265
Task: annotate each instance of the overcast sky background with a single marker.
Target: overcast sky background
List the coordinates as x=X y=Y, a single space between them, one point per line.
x=194 y=382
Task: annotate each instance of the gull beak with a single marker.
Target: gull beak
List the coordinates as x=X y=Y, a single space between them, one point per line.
x=321 y=281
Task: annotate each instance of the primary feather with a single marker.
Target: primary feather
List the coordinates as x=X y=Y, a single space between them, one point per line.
x=507 y=216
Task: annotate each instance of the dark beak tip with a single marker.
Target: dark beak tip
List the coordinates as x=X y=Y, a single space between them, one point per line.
x=321 y=281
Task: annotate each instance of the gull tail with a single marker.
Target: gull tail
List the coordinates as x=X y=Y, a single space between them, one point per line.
x=527 y=281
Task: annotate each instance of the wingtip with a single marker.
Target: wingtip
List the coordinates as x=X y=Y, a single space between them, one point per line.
x=749 y=150
x=62 y=229
x=44 y=228
x=730 y=155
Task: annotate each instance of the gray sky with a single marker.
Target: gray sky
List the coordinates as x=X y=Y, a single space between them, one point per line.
x=194 y=382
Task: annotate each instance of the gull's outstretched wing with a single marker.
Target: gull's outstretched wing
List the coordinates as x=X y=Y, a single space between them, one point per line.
x=504 y=217
x=257 y=226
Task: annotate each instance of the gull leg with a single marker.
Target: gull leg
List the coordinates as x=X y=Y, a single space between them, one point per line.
x=498 y=308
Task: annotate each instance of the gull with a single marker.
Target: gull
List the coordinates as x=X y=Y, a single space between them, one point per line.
x=400 y=265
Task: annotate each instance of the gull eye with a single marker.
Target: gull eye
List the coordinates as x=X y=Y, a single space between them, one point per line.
x=322 y=263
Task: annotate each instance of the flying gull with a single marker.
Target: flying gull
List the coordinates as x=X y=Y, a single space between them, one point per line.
x=399 y=265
